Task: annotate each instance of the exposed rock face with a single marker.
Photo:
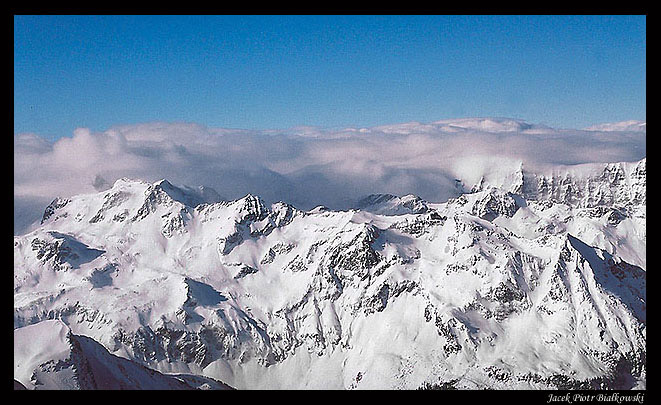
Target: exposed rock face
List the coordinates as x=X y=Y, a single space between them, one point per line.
x=538 y=285
x=586 y=186
x=62 y=252
x=52 y=207
x=495 y=203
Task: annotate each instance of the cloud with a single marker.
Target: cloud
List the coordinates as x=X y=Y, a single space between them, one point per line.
x=305 y=166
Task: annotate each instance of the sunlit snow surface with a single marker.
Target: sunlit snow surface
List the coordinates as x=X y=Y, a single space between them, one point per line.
x=48 y=356
x=533 y=280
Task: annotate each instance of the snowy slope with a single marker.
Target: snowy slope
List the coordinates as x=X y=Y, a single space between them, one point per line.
x=527 y=284
x=48 y=356
x=602 y=204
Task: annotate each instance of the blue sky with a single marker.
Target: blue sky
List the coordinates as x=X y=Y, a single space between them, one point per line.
x=259 y=72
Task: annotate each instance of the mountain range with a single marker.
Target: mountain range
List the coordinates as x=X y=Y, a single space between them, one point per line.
x=527 y=280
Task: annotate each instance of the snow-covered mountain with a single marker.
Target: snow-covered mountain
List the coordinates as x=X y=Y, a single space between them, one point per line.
x=388 y=204
x=530 y=280
x=48 y=356
x=492 y=125
x=622 y=126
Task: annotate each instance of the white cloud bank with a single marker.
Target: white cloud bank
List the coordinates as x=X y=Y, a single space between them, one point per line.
x=305 y=166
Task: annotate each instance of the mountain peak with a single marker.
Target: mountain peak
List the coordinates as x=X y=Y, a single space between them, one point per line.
x=122 y=181
x=389 y=204
x=488 y=124
x=251 y=207
x=190 y=197
x=623 y=126
x=164 y=183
